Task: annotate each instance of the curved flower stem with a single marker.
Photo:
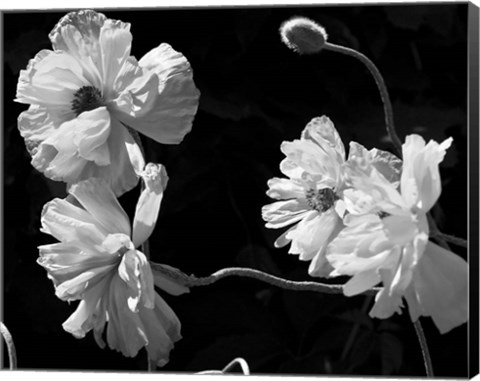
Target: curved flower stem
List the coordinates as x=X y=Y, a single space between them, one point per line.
x=241 y=362
x=193 y=281
x=387 y=105
x=423 y=345
x=145 y=247
x=12 y=354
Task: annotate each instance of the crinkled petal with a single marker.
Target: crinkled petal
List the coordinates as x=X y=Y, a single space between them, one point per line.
x=68 y=223
x=284 y=189
x=292 y=169
x=50 y=80
x=36 y=125
x=137 y=90
x=411 y=254
x=359 y=202
x=361 y=282
x=360 y=235
x=440 y=288
x=311 y=158
x=115 y=42
x=400 y=230
x=89 y=313
x=319 y=266
x=117 y=243
x=100 y=202
x=362 y=176
x=148 y=205
x=163 y=330
x=76 y=287
x=322 y=131
x=420 y=181
x=285 y=238
x=386 y=303
x=353 y=264
x=63 y=166
x=125 y=330
x=64 y=261
x=312 y=236
x=389 y=165
x=135 y=271
x=91 y=131
x=120 y=174
x=170 y=117
x=39 y=127
x=283 y=213
x=157 y=328
x=86 y=24
x=70 y=149
x=78 y=34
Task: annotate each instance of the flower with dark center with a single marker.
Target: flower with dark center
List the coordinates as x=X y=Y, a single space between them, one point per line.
x=88 y=91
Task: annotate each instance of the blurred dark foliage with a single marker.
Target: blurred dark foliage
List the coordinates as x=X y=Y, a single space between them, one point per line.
x=255 y=94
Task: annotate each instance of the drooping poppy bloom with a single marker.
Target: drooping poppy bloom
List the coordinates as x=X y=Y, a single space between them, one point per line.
x=386 y=240
x=98 y=263
x=311 y=197
x=86 y=92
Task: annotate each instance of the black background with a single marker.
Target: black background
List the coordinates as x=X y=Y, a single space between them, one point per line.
x=255 y=94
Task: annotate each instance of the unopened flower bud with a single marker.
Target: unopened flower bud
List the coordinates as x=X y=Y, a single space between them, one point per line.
x=303 y=35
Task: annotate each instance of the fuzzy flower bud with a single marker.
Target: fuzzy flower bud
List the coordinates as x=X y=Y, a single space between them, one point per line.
x=303 y=35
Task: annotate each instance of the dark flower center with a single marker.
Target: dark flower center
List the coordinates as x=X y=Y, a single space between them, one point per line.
x=383 y=214
x=86 y=98
x=321 y=200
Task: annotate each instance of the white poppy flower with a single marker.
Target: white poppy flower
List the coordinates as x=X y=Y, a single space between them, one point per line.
x=386 y=240
x=88 y=90
x=312 y=196
x=97 y=262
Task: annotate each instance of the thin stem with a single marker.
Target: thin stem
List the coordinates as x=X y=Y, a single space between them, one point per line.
x=387 y=105
x=145 y=247
x=451 y=239
x=193 y=281
x=238 y=361
x=12 y=354
x=424 y=347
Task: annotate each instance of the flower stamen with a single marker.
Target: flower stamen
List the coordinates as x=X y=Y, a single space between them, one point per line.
x=86 y=98
x=321 y=200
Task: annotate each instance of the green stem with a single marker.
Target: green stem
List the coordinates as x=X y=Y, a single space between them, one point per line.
x=12 y=354
x=193 y=281
x=387 y=105
x=424 y=347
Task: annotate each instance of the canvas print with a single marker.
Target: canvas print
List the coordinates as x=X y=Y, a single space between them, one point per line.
x=274 y=190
